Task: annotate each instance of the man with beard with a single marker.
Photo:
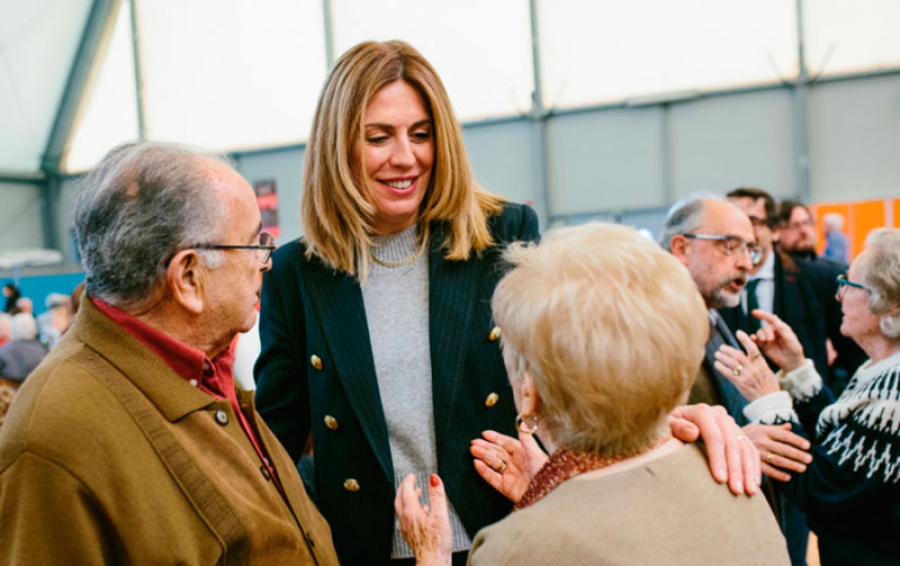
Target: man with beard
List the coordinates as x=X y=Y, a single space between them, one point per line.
x=715 y=241
x=796 y=234
x=799 y=292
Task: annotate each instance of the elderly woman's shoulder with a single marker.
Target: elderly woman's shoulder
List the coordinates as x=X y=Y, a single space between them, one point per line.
x=643 y=515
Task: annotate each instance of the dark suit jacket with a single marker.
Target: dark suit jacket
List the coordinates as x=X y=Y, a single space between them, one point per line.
x=805 y=300
x=309 y=309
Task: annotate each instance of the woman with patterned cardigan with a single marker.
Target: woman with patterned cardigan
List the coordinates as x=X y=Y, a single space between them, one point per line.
x=851 y=490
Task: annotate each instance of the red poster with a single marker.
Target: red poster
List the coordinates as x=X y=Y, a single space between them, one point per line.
x=267 y=197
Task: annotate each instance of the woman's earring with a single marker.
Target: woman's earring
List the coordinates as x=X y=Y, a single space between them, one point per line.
x=525 y=429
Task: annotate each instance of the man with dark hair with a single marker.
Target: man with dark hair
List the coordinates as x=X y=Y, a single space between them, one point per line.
x=130 y=444
x=801 y=294
x=795 y=234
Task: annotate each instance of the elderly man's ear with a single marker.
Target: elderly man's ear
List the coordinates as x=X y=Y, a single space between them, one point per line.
x=678 y=245
x=186 y=281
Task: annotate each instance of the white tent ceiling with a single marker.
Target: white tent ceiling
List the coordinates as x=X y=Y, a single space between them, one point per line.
x=241 y=74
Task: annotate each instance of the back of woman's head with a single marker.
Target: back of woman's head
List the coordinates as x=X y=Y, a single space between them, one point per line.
x=881 y=273
x=336 y=210
x=611 y=329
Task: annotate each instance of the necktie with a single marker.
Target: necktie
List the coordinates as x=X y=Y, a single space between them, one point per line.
x=752 y=303
x=729 y=396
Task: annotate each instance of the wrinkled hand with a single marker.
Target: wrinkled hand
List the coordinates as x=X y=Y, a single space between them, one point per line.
x=732 y=457
x=426 y=531
x=778 y=342
x=748 y=371
x=781 y=450
x=523 y=458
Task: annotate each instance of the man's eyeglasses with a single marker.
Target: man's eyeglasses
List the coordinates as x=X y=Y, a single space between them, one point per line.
x=263 y=250
x=732 y=244
x=843 y=283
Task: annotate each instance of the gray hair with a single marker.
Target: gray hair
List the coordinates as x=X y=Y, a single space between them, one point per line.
x=23 y=327
x=834 y=220
x=685 y=216
x=140 y=206
x=881 y=274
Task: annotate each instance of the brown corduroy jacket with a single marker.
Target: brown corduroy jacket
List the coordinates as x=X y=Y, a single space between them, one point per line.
x=109 y=457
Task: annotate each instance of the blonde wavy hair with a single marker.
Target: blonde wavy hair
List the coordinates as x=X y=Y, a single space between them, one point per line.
x=336 y=209
x=611 y=329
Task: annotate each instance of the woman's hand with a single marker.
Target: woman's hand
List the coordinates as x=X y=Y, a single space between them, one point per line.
x=507 y=464
x=732 y=457
x=749 y=372
x=781 y=450
x=426 y=531
x=778 y=342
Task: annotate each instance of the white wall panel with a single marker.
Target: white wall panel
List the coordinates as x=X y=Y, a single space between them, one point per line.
x=481 y=50
x=38 y=40
x=846 y=37
x=724 y=142
x=609 y=50
x=20 y=216
x=855 y=139
x=609 y=159
x=501 y=158
x=231 y=74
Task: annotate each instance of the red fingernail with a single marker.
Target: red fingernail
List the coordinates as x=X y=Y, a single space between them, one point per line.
x=435 y=481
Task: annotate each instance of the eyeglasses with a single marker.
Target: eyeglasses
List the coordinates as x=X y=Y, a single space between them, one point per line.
x=843 y=283
x=733 y=245
x=263 y=250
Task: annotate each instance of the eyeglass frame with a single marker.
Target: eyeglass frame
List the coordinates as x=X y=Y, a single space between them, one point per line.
x=753 y=250
x=269 y=248
x=844 y=283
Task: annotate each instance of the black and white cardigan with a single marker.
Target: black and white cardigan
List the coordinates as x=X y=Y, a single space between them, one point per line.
x=851 y=490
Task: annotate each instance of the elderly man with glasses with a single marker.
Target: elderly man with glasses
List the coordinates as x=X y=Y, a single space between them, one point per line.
x=130 y=444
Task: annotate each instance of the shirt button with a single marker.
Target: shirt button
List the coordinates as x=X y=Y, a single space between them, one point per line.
x=351 y=485
x=265 y=473
x=491 y=400
x=494 y=334
x=331 y=422
x=193 y=382
x=316 y=361
x=222 y=417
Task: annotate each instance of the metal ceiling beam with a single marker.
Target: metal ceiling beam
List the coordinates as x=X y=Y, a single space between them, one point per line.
x=96 y=33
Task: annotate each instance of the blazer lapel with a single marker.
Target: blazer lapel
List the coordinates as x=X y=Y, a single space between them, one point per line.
x=453 y=287
x=337 y=300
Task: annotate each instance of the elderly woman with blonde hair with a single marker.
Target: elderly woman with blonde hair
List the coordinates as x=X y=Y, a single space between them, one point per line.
x=851 y=490
x=603 y=332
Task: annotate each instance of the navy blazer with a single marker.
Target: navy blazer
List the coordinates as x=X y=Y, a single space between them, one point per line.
x=316 y=364
x=805 y=300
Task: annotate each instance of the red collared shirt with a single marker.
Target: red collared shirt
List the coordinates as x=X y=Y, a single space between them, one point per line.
x=214 y=376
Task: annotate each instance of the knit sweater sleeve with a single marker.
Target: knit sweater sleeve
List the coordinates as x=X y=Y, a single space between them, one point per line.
x=856 y=448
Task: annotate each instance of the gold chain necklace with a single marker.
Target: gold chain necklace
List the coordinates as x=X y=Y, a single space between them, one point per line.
x=402 y=262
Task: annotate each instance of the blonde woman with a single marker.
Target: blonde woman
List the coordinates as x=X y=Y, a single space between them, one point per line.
x=603 y=332
x=376 y=330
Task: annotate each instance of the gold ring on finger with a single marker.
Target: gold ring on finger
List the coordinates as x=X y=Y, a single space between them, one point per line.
x=769 y=457
x=501 y=468
x=737 y=371
x=755 y=355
